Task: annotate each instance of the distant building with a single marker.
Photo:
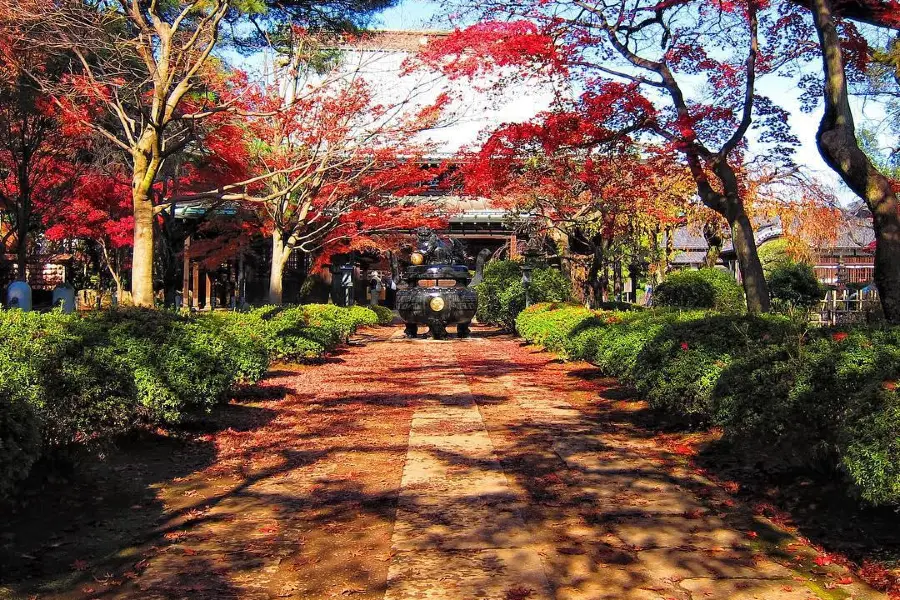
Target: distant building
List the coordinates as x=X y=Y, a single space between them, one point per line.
x=853 y=249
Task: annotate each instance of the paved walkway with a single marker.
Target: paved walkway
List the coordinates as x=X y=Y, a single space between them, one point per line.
x=510 y=492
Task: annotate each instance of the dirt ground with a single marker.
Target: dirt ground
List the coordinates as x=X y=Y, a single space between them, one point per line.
x=419 y=469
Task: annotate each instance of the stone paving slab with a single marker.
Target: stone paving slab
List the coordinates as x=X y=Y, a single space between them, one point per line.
x=491 y=574
x=458 y=532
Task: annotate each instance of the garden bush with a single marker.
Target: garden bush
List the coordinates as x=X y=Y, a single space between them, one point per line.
x=615 y=347
x=552 y=325
x=58 y=365
x=794 y=285
x=20 y=440
x=704 y=288
x=246 y=339
x=384 y=314
x=828 y=398
x=178 y=364
x=501 y=294
x=819 y=397
x=290 y=334
x=70 y=379
x=678 y=367
x=611 y=340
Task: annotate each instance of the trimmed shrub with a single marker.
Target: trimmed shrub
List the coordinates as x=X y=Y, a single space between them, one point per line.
x=68 y=379
x=362 y=316
x=620 y=306
x=59 y=366
x=498 y=276
x=615 y=347
x=704 y=288
x=501 y=294
x=795 y=285
x=829 y=399
x=678 y=368
x=384 y=314
x=247 y=342
x=611 y=340
x=552 y=325
x=20 y=440
x=825 y=398
x=290 y=334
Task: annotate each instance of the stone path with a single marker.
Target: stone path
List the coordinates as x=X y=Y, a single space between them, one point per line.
x=621 y=522
x=458 y=531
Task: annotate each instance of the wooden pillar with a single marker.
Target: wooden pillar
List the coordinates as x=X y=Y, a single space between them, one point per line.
x=186 y=275
x=195 y=295
x=209 y=292
x=513 y=247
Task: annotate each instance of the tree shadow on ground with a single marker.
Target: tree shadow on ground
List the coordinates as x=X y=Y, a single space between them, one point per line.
x=99 y=504
x=814 y=503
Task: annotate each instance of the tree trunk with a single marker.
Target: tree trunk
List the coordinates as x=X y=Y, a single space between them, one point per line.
x=142 y=256
x=143 y=175
x=712 y=233
x=618 y=284
x=752 y=275
x=670 y=250
x=23 y=219
x=598 y=276
x=280 y=255
x=732 y=208
x=837 y=143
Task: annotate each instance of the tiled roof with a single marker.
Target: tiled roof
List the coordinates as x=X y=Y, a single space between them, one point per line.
x=689 y=258
x=855 y=234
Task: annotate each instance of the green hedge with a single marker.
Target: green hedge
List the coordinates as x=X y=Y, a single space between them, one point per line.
x=70 y=379
x=678 y=369
x=384 y=314
x=703 y=288
x=501 y=295
x=830 y=398
x=820 y=397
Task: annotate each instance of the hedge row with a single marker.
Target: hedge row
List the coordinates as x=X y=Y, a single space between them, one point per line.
x=818 y=397
x=67 y=379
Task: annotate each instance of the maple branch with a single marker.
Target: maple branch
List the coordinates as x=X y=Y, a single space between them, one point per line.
x=749 y=92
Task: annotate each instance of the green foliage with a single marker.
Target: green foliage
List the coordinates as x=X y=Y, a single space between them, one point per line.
x=498 y=276
x=615 y=347
x=677 y=371
x=824 y=398
x=384 y=314
x=828 y=398
x=68 y=379
x=501 y=294
x=774 y=254
x=704 y=288
x=20 y=440
x=795 y=285
x=553 y=325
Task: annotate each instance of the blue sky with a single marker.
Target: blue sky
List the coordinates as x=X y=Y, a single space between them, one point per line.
x=409 y=15
x=420 y=14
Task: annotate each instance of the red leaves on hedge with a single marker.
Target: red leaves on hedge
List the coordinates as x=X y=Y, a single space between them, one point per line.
x=839 y=336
